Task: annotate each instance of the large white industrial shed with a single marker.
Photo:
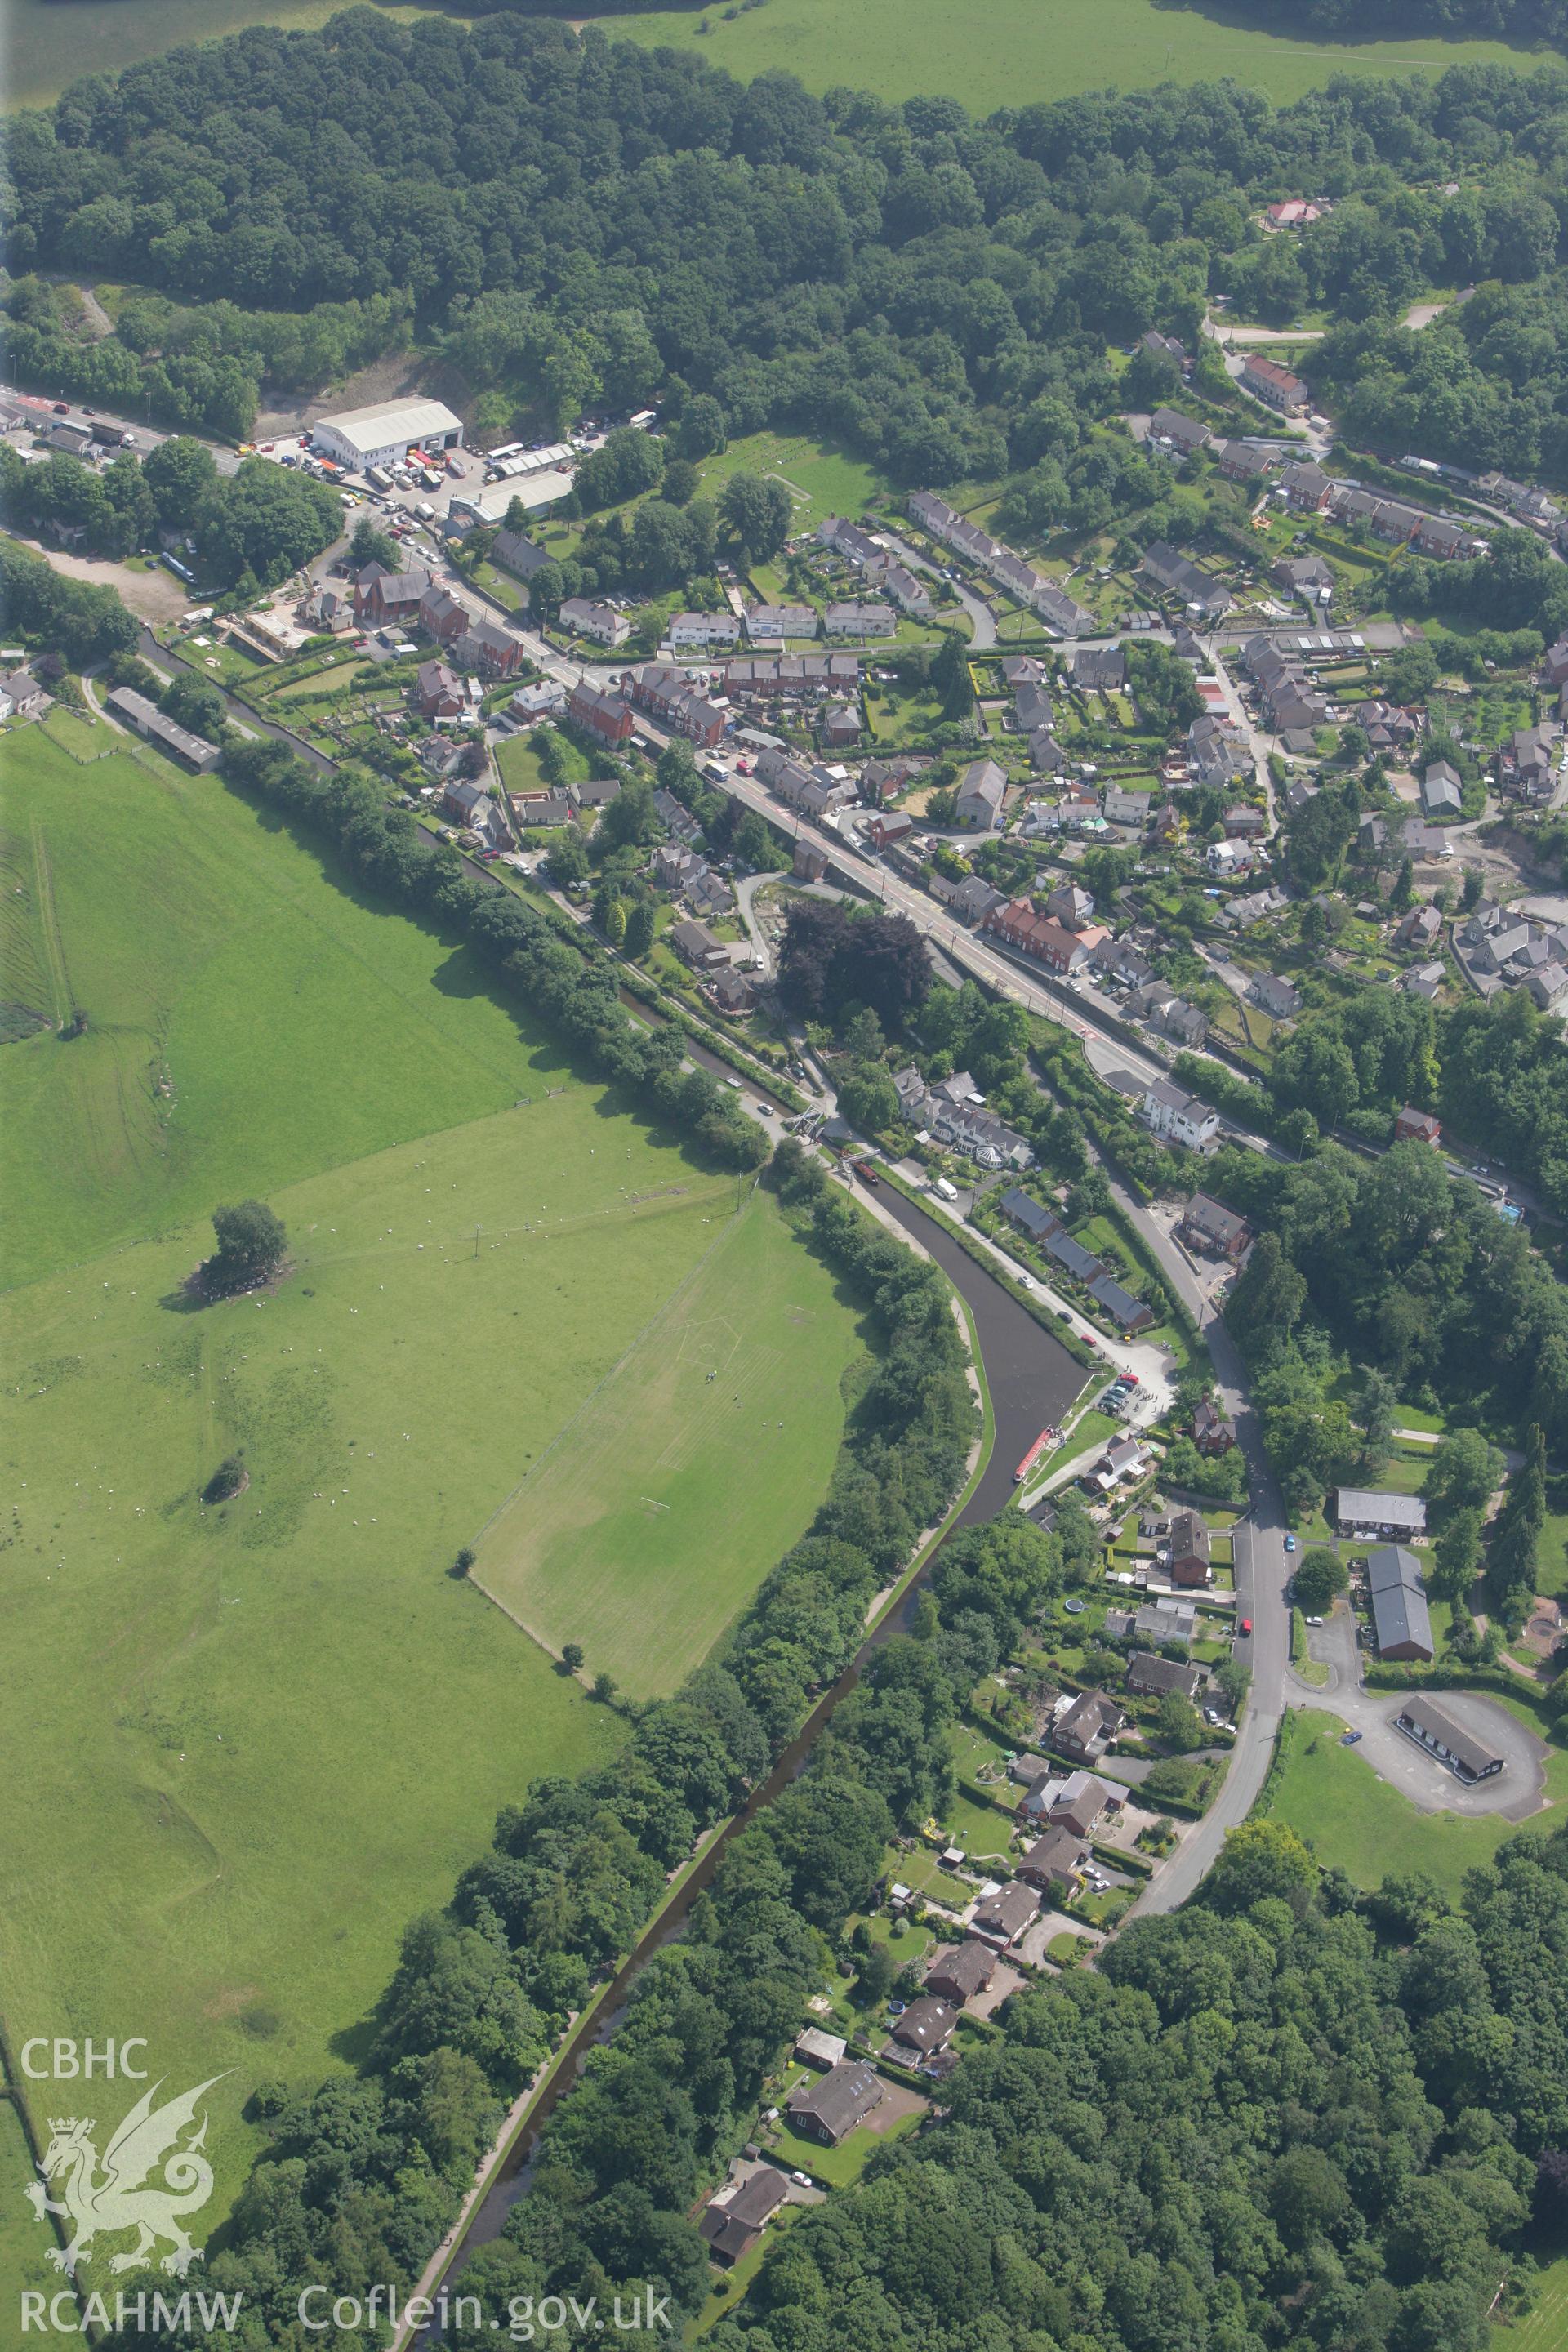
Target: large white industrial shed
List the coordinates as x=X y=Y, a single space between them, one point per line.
x=383 y=436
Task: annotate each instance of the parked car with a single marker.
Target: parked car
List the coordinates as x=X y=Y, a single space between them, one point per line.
x=1290 y=1543
x=1245 y=1626
x=1348 y=1739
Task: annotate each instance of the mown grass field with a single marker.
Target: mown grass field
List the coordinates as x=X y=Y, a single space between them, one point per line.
x=688 y=1470
x=296 y=1025
x=242 y=1746
x=1014 y=53
x=1545 y=2328
x=1358 y=1824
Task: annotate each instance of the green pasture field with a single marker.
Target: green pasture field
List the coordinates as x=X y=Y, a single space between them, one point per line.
x=1013 y=54
x=274 y=1730
x=653 y=1516
x=1358 y=1824
x=1021 y=52
x=298 y=1026
x=23 y=2240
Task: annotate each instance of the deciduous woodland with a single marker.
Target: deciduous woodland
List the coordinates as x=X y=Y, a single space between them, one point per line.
x=569 y=220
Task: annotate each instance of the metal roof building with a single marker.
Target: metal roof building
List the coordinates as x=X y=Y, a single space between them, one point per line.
x=386 y=433
x=1468 y=1758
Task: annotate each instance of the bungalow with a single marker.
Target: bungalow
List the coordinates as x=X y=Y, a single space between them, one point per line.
x=1433 y=1727
x=1218 y=1231
x=1089 y=1726
x=1164 y=1622
x=517 y=554
x=1267 y=381
x=1189 y=1565
x=829 y=2108
x=1055 y=1862
x=733 y=2222
x=982 y=794
x=1401 y=1620
x=544 y=698
x=959 y=1971
x=1001 y=1919
x=696 y=945
x=541 y=809
x=583 y=617
x=815 y=2048
x=1150 y=1677
x=1178 y=1117
x=1360 y=1512
x=606 y=717
x=925 y=2027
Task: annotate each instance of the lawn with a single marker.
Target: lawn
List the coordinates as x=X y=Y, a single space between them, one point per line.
x=1545 y=2329
x=690 y=1468
x=1357 y=1824
x=824 y=481
x=839 y=2167
x=294 y=1026
x=272 y=1732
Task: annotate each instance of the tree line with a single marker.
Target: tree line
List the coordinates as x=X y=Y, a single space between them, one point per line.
x=579 y=225
x=360 y=2177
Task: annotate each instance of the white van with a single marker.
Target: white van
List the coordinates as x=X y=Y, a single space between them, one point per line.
x=943 y=1189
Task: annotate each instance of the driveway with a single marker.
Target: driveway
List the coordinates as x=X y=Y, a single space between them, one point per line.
x=1516 y=1793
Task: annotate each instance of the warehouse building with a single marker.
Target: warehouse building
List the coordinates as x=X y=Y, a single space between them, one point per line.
x=385 y=435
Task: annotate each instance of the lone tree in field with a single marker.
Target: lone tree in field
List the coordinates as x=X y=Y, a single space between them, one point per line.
x=572 y=1657
x=462 y=1563
x=251 y=1246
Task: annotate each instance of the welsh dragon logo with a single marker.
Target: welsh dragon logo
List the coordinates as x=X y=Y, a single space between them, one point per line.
x=124 y=2195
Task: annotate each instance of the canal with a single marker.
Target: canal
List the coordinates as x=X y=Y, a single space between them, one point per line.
x=1032 y=1382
